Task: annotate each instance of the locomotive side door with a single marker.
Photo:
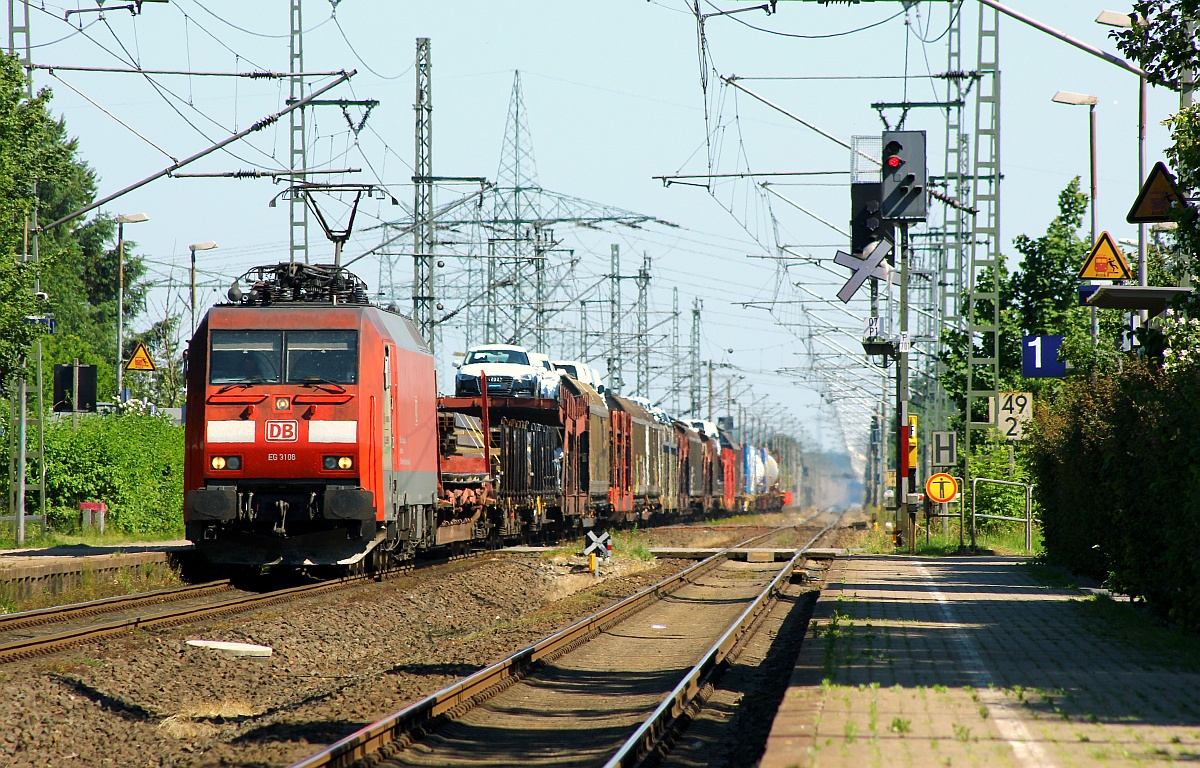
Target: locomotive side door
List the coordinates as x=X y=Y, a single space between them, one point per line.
x=389 y=412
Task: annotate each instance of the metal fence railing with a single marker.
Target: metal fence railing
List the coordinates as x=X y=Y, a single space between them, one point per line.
x=1027 y=519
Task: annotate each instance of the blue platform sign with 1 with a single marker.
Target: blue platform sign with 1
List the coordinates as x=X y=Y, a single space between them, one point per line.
x=1039 y=357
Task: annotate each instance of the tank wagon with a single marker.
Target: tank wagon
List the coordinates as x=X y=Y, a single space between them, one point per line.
x=315 y=438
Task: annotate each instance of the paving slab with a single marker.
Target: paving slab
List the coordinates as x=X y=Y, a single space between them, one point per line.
x=973 y=662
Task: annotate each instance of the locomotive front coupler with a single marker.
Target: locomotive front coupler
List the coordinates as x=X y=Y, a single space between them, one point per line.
x=281 y=528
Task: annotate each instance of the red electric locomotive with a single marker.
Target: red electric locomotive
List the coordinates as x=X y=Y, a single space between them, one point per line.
x=311 y=426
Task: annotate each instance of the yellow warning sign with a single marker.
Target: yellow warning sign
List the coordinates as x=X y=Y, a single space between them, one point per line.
x=1158 y=198
x=141 y=360
x=1105 y=262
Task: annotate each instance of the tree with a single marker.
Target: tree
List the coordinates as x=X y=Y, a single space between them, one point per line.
x=1163 y=42
x=954 y=379
x=77 y=265
x=1162 y=39
x=1045 y=288
x=1038 y=299
x=28 y=159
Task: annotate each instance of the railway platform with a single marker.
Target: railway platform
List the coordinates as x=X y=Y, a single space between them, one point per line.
x=26 y=572
x=973 y=661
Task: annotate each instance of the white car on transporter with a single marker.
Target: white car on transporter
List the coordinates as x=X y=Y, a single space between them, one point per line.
x=511 y=372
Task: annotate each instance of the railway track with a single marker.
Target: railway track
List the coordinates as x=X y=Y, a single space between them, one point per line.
x=21 y=638
x=22 y=635
x=21 y=644
x=608 y=690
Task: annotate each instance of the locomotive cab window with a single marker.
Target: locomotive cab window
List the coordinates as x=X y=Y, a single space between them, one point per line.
x=322 y=356
x=249 y=357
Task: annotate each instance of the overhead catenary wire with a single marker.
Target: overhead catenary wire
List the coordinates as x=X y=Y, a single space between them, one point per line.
x=169 y=169
x=124 y=124
x=687 y=243
x=255 y=75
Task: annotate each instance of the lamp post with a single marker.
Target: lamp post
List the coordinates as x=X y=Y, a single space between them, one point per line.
x=206 y=246
x=1125 y=21
x=122 y=220
x=1083 y=99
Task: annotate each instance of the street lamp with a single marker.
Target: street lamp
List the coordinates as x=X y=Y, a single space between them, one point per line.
x=1115 y=19
x=207 y=246
x=1081 y=100
x=122 y=220
x=1125 y=21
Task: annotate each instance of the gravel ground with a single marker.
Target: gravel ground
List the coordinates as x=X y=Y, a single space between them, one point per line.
x=340 y=662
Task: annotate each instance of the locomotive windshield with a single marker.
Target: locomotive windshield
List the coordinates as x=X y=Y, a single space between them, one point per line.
x=246 y=356
x=258 y=357
x=322 y=356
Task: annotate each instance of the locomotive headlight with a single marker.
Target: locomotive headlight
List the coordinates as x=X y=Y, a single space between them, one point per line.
x=218 y=462
x=337 y=462
x=226 y=462
x=282 y=403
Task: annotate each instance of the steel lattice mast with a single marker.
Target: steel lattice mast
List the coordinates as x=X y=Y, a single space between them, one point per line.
x=423 y=282
x=520 y=273
x=298 y=147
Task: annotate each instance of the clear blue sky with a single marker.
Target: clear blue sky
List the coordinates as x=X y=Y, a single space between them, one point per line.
x=613 y=96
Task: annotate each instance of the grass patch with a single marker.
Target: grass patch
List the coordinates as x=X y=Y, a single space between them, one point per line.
x=634 y=545
x=560 y=553
x=1051 y=576
x=110 y=538
x=874 y=542
x=1134 y=625
x=1008 y=539
x=127 y=581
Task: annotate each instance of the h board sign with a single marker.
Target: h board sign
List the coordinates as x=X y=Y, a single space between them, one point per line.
x=944 y=446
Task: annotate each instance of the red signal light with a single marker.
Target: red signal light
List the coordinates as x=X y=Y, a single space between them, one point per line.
x=894 y=162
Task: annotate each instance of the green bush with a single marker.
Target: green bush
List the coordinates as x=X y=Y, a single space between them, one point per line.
x=1117 y=466
x=997 y=459
x=132 y=462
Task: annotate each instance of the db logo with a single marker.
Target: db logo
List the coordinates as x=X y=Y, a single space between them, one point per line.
x=281 y=431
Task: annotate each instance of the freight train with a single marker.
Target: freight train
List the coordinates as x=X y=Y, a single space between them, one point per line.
x=315 y=438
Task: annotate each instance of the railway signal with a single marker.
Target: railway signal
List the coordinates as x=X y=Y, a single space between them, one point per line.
x=870 y=265
x=601 y=544
x=903 y=176
x=867 y=224
x=912 y=445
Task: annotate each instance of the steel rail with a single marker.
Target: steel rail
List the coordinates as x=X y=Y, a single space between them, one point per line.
x=652 y=732
x=14 y=621
x=36 y=646
x=414 y=721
